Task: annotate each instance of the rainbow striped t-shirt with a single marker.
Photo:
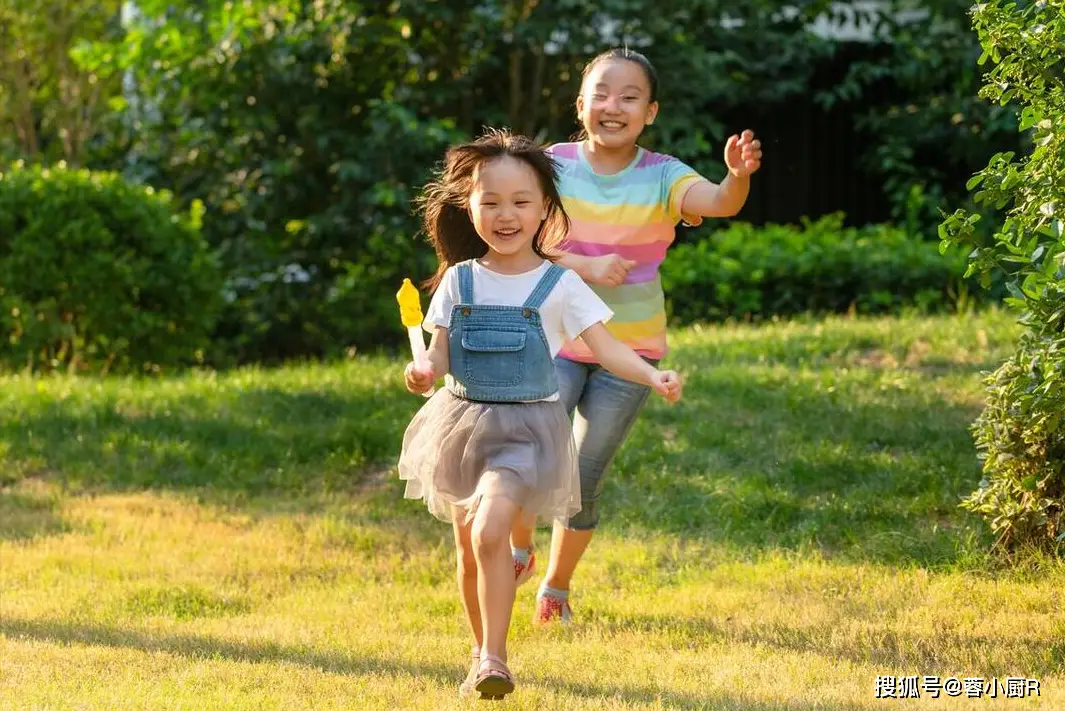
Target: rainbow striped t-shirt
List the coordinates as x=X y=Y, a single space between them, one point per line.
x=633 y=214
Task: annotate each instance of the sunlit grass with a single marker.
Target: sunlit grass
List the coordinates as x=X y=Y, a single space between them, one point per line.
x=777 y=541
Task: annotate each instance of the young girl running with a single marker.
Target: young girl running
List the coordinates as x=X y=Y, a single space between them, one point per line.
x=497 y=439
x=624 y=202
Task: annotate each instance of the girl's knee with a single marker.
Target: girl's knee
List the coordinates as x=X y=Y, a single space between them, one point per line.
x=489 y=536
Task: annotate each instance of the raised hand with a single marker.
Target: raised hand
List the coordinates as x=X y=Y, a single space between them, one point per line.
x=743 y=154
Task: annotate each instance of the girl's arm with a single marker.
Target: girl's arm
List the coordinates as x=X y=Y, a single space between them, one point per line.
x=708 y=199
x=438 y=353
x=623 y=362
x=419 y=382
x=577 y=262
x=743 y=156
x=608 y=270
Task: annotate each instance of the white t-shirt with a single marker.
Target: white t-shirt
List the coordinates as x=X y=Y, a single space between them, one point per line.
x=568 y=311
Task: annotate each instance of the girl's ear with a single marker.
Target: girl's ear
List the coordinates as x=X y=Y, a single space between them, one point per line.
x=580 y=103
x=652 y=112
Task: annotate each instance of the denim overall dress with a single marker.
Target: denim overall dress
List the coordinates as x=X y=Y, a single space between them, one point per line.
x=500 y=353
x=491 y=431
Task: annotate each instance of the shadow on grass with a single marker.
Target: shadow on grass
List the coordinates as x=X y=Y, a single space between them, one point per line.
x=756 y=458
x=887 y=649
x=199 y=647
x=691 y=702
x=250 y=442
x=848 y=464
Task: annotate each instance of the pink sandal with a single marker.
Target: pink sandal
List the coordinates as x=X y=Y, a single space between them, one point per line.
x=466 y=689
x=523 y=572
x=494 y=680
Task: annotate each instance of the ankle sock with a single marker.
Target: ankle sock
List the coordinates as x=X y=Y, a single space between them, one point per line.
x=548 y=591
x=521 y=555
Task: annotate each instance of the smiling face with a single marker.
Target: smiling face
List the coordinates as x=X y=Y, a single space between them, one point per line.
x=507 y=206
x=615 y=103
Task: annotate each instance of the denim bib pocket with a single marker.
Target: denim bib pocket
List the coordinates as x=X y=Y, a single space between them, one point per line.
x=494 y=356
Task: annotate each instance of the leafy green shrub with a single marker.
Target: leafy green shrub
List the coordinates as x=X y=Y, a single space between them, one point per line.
x=1021 y=433
x=756 y=272
x=1020 y=438
x=96 y=273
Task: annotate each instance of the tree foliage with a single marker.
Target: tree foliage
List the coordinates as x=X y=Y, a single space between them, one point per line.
x=50 y=107
x=306 y=127
x=1021 y=433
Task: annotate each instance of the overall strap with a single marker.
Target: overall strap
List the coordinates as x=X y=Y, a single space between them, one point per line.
x=465 y=282
x=544 y=286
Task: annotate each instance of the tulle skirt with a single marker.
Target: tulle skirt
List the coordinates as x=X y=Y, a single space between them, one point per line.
x=457 y=452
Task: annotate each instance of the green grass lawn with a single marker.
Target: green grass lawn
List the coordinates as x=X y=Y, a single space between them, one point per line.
x=778 y=540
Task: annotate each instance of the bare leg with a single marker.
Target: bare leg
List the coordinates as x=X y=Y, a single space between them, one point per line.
x=495 y=567
x=521 y=535
x=467 y=574
x=567 y=547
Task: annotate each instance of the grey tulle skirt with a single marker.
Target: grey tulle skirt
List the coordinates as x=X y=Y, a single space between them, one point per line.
x=457 y=452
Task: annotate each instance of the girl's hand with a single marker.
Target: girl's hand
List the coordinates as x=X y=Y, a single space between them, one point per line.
x=608 y=270
x=418 y=381
x=667 y=384
x=743 y=154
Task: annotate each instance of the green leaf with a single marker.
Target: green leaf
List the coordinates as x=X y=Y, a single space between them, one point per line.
x=1030 y=116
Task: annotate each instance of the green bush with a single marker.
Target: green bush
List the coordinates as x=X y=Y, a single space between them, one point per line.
x=1021 y=433
x=1020 y=438
x=820 y=267
x=99 y=274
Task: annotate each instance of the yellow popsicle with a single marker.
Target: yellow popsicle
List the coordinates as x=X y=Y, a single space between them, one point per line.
x=410 y=313
x=410 y=305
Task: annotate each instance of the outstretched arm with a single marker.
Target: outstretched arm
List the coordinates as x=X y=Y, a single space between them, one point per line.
x=743 y=156
x=607 y=270
x=623 y=362
x=709 y=199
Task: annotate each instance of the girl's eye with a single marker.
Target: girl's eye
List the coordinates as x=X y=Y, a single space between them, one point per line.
x=599 y=97
x=488 y=204
x=522 y=202
x=630 y=98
